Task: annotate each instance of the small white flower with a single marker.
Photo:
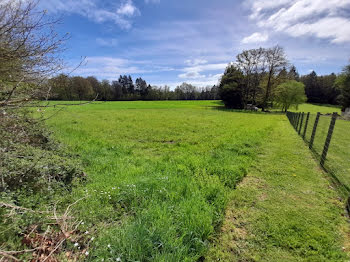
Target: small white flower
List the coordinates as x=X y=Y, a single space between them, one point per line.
x=118 y=259
x=86 y=232
x=109 y=246
x=82 y=222
x=76 y=244
x=92 y=238
x=86 y=253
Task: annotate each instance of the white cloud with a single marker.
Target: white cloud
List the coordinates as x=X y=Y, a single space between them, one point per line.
x=107 y=42
x=111 y=67
x=195 y=62
x=93 y=11
x=255 y=38
x=209 y=80
x=127 y=9
x=198 y=67
x=152 y=1
x=335 y=28
x=191 y=75
x=316 y=18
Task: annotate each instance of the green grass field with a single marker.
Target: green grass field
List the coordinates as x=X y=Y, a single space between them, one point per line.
x=160 y=173
x=314 y=108
x=160 y=176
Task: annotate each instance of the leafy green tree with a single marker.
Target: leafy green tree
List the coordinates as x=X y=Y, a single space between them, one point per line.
x=186 y=91
x=96 y=86
x=82 y=88
x=343 y=83
x=290 y=93
x=106 y=93
x=61 y=88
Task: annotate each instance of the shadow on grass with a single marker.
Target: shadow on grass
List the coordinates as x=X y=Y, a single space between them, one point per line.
x=325 y=105
x=223 y=108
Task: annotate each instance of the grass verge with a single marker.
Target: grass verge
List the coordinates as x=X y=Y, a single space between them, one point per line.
x=284 y=210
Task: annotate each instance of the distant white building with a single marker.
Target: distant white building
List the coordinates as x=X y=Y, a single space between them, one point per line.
x=346 y=113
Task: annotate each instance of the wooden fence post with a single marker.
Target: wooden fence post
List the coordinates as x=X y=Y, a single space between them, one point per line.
x=314 y=130
x=297 y=124
x=301 y=123
x=306 y=123
x=328 y=139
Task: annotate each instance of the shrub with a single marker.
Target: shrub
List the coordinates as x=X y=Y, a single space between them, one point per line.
x=30 y=160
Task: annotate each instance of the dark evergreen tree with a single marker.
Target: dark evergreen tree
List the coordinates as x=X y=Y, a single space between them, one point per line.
x=293 y=74
x=231 y=87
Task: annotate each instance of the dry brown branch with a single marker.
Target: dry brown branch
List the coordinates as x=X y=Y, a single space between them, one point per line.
x=30 y=51
x=14 y=207
x=4 y=254
x=54 y=250
x=46 y=244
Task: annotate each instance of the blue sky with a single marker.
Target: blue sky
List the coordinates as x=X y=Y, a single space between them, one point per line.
x=170 y=42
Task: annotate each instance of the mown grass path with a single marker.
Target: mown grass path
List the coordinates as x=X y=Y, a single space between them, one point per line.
x=284 y=210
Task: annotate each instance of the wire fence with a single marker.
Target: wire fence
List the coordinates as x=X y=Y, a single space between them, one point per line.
x=328 y=137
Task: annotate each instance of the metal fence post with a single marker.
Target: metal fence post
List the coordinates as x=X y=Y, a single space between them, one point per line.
x=306 y=123
x=314 y=130
x=301 y=123
x=328 y=139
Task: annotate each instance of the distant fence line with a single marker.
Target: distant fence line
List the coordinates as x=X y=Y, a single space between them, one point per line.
x=331 y=148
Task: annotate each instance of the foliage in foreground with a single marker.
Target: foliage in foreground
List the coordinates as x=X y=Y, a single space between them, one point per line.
x=35 y=172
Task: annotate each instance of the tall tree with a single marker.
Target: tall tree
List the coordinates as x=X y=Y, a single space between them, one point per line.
x=293 y=73
x=82 y=88
x=275 y=61
x=311 y=87
x=117 y=90
x=106 y=92
x=252 y=65
x=96 y=86
x=141 y=87
x=61 y=88
x=130 y=85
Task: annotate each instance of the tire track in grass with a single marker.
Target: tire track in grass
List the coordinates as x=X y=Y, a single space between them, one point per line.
x=284 y=210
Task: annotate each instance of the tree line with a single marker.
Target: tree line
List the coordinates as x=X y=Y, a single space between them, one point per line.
x=261 y=77
x=64 y=87
x=264 y=77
